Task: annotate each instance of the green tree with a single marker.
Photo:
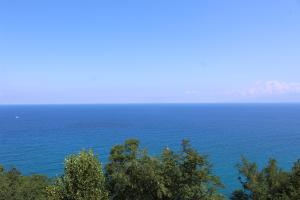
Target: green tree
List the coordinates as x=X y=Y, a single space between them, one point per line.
x=239 y=195
x=270 y=183
x=34 y=187
x=15 y=186
x=83 y=179
x=132 y=174
x=293 y=184
x=10 y=184
x=187 y=175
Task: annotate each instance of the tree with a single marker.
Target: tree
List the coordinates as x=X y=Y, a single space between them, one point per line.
x=83 y=179
x=239 y=195
x=293 y=185
x=132 y=174
x=268 y=184
x=15 y=186
x=187 y=175
x=34 y=187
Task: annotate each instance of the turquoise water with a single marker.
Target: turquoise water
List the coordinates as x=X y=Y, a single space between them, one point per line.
x=41 y=136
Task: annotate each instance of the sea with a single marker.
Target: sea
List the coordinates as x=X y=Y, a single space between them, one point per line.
x=37 y=138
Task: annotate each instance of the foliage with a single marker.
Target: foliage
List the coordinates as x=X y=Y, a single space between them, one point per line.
x=134 y=175
x=270 y=183
x=293 y=183
x=187 y=175
x=83 y=179
x=14 y=186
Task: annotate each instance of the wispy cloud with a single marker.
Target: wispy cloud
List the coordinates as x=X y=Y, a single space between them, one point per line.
x=273 y=87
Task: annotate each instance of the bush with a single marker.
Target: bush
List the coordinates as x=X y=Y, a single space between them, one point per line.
x=270 y=183
x=15 y=186
x=83 y=179
x=133 y=175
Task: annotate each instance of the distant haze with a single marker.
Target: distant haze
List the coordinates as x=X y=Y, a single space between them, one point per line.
x=59 y=52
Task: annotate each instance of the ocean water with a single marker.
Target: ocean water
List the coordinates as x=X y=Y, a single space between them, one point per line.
x=36 y=138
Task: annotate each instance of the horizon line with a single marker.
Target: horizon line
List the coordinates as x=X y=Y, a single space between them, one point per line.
x=142 y=103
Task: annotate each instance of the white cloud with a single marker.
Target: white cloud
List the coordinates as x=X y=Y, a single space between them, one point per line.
x=273 y=87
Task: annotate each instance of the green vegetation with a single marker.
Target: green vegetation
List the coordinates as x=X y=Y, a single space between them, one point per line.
x=270 y=183
x=132 y=174
x=83 y=179
x=14 y=186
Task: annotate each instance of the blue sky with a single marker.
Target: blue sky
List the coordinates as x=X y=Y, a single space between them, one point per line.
x=149 y=51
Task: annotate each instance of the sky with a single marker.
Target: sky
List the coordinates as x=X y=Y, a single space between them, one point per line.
x=149 y=51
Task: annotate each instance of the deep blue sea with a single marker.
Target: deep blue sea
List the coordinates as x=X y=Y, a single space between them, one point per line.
x=36 y=138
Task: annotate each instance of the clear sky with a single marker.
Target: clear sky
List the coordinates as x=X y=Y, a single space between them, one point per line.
x=149 y=51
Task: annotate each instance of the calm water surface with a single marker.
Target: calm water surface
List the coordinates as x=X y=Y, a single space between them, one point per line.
x=36 y=139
